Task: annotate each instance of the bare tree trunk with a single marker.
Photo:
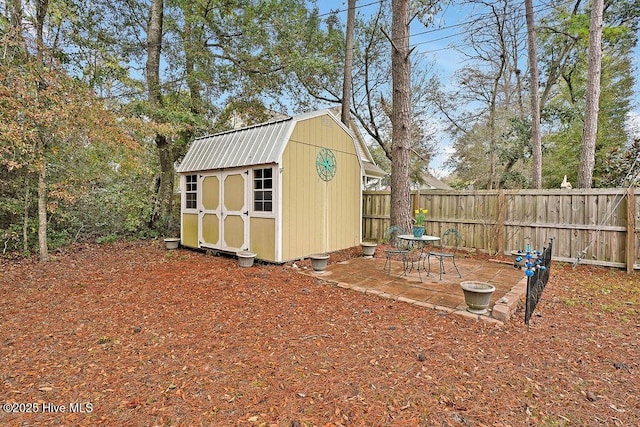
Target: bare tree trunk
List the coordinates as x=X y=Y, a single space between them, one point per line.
x=25 y=214
x=493 y=158
x=14 y=10
x=536 y=137
x=518 y=74
x=164 y=197
x=401 y=116
x=558 y=64
x=42 y=7
x=594 y=70
x=154 y=48
x=348 y=64
x=42 y=212
x=189 y=61
x=500 y=18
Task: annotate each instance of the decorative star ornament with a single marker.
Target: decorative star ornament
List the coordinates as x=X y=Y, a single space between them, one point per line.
x=326 y=164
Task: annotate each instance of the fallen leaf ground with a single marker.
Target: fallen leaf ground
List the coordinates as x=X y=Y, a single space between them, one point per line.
x=134 y=335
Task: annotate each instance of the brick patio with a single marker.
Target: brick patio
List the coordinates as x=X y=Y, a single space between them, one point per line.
x=367 y=275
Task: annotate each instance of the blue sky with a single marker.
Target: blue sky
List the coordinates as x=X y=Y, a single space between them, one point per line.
x=437 y=44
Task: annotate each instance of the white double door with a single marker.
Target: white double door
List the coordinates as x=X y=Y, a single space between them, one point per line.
x=223 y=215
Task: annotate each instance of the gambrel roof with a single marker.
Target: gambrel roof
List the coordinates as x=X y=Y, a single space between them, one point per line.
x=259 y=144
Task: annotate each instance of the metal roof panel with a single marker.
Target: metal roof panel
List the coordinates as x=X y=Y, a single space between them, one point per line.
x=253 y=145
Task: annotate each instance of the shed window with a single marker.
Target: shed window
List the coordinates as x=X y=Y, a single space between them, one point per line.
x=263 y=190
x=191 y=192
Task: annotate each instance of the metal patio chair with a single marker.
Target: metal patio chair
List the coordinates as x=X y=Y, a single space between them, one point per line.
x=446 y=249
x=399 y=249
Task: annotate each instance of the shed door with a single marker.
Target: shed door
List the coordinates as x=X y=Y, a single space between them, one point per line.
x=210 y=212
x=234 y=219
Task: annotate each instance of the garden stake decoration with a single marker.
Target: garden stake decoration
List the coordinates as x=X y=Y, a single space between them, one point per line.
x=532 y=264
x=528 y=259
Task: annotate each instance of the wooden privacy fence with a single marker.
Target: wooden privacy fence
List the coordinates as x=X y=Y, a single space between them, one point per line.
x=595 y=226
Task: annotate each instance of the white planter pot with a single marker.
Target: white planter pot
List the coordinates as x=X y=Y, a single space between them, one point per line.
x=172 y=242
x=477 y=296
x=368 y=249
x=319 y=262
x=245 y=258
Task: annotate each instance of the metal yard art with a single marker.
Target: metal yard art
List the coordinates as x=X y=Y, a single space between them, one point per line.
x=537 y=268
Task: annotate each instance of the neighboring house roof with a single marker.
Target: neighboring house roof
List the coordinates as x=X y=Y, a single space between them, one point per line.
x=432 y=183
x=373 y=170
x=255 y=145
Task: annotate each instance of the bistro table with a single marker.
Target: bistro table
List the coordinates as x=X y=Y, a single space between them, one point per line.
x=418 y=243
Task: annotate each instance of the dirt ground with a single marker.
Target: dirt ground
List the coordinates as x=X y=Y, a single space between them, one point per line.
x=129 y=334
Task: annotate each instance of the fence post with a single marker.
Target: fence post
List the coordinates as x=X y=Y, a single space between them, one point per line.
x=631 y=229
x=502 y=207
x=416 y=201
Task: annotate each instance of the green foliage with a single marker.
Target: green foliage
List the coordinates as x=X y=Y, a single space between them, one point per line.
x=111 y=238
x=564 y=112
x=622 y=165
x=470 y=158
x=100 y=198
x=564 y=115
x=97 y=176
x=249 y=111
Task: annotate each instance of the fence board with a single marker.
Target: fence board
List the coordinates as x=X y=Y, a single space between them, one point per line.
x=587 y=224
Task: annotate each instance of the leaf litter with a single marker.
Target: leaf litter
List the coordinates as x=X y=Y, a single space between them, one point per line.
x=156 y=337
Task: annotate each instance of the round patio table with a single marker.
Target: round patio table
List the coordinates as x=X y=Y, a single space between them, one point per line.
x=418 y=243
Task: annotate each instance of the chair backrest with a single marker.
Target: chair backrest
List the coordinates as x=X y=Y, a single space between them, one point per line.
x=391 y=235
x=451 y=240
